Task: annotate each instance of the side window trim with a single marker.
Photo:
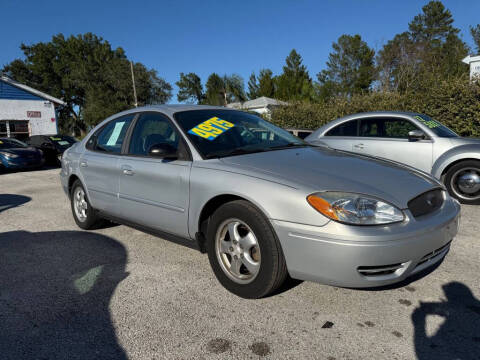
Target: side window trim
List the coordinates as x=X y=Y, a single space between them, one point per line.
x=182 y=144
x=428 y=139
x=95 y=135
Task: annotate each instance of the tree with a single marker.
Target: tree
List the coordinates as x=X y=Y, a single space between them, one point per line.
x=191 y=89
x=266 y=83
x=475 y=31
x=223 y=90
x=431 y=50
x=294 y=83
x=252 y=87
x=350 y=67
x=93 y=79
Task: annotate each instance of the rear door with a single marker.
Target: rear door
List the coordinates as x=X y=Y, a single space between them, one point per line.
x=154 y=192
x=387 y=137
x=99 y=164
x=342 y=136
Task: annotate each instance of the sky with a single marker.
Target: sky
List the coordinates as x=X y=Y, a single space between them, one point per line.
x=218 y=36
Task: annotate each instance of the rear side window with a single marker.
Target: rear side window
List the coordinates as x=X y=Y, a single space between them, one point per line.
x=348 y=128
x=386 y=128
x=110 y=138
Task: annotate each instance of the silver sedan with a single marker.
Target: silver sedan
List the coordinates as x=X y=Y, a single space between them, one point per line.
x=264 y=204
x=413 y=139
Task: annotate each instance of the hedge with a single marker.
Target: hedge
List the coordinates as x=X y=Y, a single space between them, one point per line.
x=455 y=103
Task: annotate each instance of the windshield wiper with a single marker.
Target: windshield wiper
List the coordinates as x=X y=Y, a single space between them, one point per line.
x=234 y=152
x=287 y=146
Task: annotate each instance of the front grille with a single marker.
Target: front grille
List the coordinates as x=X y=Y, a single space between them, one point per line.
x=434 y=253
x=379 y=270
x=426 y=203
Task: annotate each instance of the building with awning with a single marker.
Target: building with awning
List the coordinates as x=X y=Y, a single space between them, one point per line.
x=25 y=111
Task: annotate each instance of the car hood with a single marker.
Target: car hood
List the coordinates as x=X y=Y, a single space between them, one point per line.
x=21 y=151
x=323 y=169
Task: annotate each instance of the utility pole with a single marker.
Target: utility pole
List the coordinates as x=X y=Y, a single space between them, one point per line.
x=133 y=82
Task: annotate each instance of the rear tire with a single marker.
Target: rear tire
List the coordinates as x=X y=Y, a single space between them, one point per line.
x=244 y=252
x=84 y=215
x=463 y=181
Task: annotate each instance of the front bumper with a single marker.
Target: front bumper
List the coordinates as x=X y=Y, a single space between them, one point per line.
x=367 y=256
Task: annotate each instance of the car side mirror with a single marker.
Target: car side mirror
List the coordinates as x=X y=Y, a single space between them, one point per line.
x=416 y=135
x=163 y=151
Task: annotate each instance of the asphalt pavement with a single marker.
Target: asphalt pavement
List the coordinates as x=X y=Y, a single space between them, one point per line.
x=121 y=294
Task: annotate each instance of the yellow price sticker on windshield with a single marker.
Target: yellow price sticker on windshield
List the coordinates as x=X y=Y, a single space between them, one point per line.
x=210 y=129
x=55 y=138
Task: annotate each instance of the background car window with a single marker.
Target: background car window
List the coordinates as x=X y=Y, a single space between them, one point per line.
x=386 y=128
x=152 y=129
x=110 y=138
x=348 y=128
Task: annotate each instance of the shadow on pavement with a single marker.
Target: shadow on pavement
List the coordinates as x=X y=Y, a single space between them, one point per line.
x=458 y=337
x=9 y=201
x=55 y=291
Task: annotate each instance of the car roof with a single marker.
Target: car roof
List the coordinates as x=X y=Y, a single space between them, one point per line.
x=171 y=109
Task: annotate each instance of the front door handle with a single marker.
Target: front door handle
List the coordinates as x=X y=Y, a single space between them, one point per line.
x=358 y=146
x=127 y=170
x=83 y=163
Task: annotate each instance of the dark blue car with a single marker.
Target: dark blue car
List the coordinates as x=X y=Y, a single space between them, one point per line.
x=16 y=155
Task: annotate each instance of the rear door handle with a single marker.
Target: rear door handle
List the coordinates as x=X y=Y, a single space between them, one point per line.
x=83 y=163
x=359 y=146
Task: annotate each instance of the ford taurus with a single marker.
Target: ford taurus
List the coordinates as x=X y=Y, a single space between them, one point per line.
x=263 y=203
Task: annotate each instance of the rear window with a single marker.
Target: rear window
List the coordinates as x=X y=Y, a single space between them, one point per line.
x=11 y=143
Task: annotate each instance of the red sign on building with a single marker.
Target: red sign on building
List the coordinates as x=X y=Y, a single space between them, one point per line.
x=34 y=114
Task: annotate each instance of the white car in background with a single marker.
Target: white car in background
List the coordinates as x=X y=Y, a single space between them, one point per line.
x=413 y=139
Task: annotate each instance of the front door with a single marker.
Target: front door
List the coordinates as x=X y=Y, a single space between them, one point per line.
x=154 y=192
x=388 y=138
x=99 y=164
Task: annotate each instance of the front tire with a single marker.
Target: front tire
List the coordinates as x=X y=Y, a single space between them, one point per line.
x=463 y=181
x=83 y=213
x=244 y=251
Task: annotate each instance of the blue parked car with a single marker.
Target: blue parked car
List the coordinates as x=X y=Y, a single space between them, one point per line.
x=16 y=155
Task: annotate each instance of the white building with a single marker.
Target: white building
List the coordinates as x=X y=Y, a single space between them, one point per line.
x=474 y=62
x=25 y=111
x=261 y=105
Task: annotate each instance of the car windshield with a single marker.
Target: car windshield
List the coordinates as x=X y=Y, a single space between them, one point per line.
x=439 y=129
x=63 y=140
x=220 y=133
x=11 y=143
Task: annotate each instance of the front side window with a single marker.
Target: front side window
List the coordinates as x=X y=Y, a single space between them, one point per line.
x=219 y=133
x=348 y=128
x=386 y=128
x=110 y=137
x=152 y=129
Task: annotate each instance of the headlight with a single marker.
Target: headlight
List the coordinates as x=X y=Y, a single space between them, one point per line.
x=355 y=209
x=9 y=155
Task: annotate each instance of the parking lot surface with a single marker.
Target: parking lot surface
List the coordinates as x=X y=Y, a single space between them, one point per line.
x=119 y=293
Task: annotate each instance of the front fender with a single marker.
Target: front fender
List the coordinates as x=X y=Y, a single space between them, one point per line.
x=468 y=151
x=276 y=201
